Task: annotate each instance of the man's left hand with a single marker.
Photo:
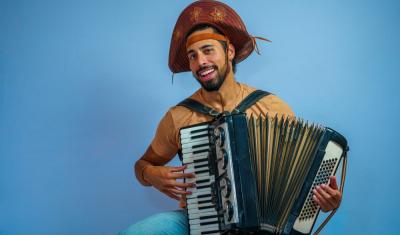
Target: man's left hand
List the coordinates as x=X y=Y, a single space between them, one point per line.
x=328 y=197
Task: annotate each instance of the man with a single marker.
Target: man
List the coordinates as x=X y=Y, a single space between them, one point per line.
x=209 y=38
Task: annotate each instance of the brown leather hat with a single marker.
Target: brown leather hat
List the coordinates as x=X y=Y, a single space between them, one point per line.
x=216 y=14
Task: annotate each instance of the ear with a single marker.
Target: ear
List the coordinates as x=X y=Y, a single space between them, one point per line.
x=231 y=52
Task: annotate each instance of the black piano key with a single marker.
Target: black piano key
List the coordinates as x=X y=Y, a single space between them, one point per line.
x=202 y=171
x=207 y=223
x=200 y=145
x=202 y=181
x=204 y=195
x=204 y=186
x=201 y=151
x=208 y=217
x=200 y=160
x=204 y=201
x=198 y=136
x=199 y=130
x=205 y=207
x=202 y=165
x=210 y=232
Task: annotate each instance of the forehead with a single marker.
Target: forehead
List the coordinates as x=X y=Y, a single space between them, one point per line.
x=199 y=44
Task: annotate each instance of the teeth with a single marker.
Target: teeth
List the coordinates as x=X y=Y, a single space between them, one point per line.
x=206 y=72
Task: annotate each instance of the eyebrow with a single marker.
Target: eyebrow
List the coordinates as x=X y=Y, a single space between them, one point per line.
x=201 y=48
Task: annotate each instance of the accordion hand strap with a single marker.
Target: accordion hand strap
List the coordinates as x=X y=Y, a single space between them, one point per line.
x=343 y=178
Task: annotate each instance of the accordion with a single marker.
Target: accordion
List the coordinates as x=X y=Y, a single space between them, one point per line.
x=255 y=175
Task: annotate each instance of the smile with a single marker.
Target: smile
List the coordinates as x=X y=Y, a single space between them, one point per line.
x=206 y=74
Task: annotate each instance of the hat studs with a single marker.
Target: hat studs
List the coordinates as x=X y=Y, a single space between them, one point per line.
x=195 y=14
x=218 y=14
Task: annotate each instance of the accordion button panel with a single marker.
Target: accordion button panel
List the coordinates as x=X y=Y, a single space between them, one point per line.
x=201 y=208
x=226 y=175
x=310 y=210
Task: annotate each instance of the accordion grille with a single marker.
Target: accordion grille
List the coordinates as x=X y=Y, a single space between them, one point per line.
x=282 y=151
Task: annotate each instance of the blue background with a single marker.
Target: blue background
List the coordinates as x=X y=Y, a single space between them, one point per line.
x=83 y=85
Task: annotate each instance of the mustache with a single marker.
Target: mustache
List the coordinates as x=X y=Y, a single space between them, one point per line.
x=206 y=67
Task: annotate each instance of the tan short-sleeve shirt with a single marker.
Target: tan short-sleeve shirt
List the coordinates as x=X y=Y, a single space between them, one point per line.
x=166 y=141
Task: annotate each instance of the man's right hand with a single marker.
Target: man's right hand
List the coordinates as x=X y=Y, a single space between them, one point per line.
x=164 y=178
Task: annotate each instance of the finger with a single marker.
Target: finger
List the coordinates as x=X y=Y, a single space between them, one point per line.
x=321 y=202
x=322 y=192
x=182 y=175
x=326 y=199
x=333 y=182
x=171 y=195
x=182 y=202
x=334 y=193
x=179 y=191
x=184 y=185
x=328 y=189
x=177 y=168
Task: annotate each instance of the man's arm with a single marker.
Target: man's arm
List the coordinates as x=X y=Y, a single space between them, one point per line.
x=150 y=171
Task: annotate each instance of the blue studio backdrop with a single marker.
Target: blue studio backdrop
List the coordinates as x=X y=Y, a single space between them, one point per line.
x=83 y=85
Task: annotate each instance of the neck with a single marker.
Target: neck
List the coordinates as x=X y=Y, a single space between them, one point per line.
x=225 y=96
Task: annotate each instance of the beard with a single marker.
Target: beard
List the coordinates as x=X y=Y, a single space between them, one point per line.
x=215 y=83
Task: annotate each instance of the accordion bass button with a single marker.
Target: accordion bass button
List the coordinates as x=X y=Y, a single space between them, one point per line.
x=226 y=187
x=219 y=134
x=229 y=210
x=222 y=159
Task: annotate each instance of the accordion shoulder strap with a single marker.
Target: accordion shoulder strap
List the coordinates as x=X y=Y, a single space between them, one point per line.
x=198 y=107
x=250 y=100
x=243 y=105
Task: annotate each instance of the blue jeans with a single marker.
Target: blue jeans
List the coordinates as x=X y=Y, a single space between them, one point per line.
x=167 y=223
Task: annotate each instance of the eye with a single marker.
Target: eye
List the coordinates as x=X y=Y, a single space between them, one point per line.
x=191 y=56
x=207 y=51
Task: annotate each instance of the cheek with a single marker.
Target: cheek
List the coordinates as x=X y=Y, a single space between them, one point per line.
x=193 y=68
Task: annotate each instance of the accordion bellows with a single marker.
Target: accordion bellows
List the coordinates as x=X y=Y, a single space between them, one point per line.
x=256 y=174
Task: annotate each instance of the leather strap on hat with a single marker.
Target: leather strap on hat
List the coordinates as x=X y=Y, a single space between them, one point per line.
x=204 y=36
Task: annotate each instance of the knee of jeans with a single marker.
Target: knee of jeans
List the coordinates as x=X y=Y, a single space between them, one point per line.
x=174 y=223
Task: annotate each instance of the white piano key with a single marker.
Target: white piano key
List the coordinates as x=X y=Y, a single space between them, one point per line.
x=186 y=143
x=192 y=145
x=190 y=137
x=207 y=213
x=197 y=200
x=211 y=179
x=190 y=150
x=198 y=221
x=190 y=158
x=194 y=206
x=206 y=228
x=195 y=128
x=195 y=190
x=198 y=193
x=195 y=210
x=201 y=227
x=193 y=169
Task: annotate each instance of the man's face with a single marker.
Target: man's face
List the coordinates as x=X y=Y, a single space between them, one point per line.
x=208 y=62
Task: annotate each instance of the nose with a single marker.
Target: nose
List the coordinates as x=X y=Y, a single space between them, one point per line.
x=202 y=59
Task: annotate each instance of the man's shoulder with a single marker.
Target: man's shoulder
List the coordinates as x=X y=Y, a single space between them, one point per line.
x=270 y=103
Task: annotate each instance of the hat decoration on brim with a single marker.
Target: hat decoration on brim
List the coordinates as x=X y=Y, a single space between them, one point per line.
x=218 y=15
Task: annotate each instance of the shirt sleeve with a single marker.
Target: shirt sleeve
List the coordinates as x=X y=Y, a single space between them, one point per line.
x=164 y=143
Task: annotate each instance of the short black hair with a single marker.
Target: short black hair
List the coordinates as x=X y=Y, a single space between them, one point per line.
x=223 y=43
